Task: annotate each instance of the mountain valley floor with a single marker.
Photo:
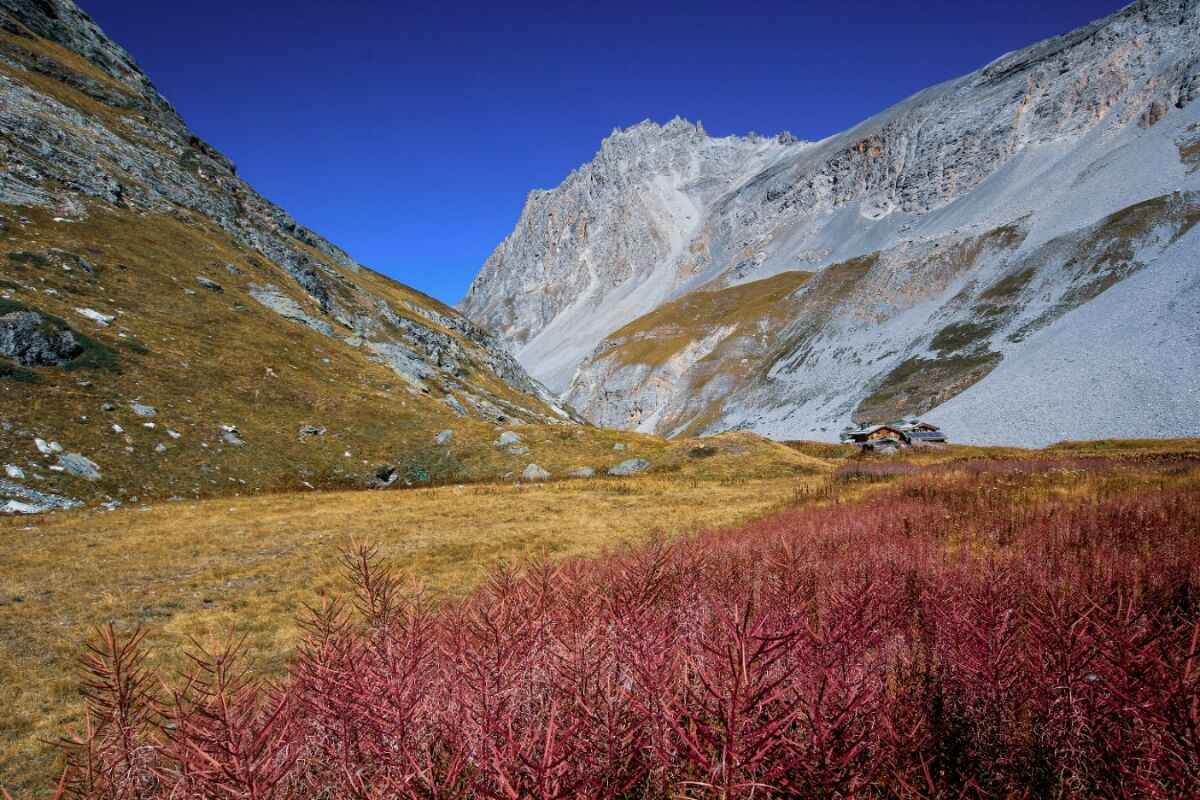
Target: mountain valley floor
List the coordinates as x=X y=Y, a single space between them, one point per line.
x=189 y=571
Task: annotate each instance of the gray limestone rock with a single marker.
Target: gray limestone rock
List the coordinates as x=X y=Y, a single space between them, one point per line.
x=534 y=473
x=508 y=438
x=79 y=465
x=143 y=410
x=631 y=466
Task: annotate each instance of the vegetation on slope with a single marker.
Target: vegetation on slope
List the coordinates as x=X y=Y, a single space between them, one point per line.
x=1012 y=627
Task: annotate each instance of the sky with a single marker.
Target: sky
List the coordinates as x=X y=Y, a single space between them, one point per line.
x=410 y=133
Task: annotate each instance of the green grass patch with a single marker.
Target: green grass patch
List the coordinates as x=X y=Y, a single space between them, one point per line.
x=25 y=257
x=920 y=384
x=12 y=372
x=961 y=337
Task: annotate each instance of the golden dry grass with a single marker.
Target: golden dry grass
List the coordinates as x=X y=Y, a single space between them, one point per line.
x=189 y=568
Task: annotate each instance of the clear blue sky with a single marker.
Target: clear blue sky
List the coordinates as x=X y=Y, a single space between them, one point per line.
x=409 y=133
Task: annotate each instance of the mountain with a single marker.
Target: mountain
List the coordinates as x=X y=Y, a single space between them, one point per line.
x=165 y=330
x=1010 y=254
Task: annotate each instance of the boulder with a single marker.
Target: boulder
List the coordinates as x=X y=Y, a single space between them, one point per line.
x=231 y=435
x=630 y=466
x=82 y=466
x=508 y=438
x=142 y=410
x=14 y=472
x=211 y=285
x=534 y=473
x=618 y=446
x=582 y=472
x=47 y=448
x=96 y=316
x=31 y=340
x=309 y=431
x=443 y=437
x=518 y=450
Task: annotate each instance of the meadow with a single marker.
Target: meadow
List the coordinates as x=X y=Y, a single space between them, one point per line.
x=990 y=627
x=190 y=569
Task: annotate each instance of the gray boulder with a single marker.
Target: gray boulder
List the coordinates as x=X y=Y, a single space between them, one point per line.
x=211 y=285
x=76 y=464
x=508 y=438
x=582 y=472
x=143 y=410
x=231 y=435
x=630 y=466
x=309 y=431
x=34 y=341
x=518 y=450
x=534 y=473
x=618 y=446
x=443 y=437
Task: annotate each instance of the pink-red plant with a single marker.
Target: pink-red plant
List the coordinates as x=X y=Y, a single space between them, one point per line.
x=997 y=631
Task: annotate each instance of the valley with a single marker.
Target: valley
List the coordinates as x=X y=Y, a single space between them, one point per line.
x=274 y=525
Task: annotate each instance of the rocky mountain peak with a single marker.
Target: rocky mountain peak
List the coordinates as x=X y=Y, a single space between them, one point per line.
x=1039 y=146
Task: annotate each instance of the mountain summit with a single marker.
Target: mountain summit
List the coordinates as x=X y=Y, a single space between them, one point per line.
x=1010 y=253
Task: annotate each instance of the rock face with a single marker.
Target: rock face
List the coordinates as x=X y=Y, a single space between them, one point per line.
x=632 y=219
x=965 y=241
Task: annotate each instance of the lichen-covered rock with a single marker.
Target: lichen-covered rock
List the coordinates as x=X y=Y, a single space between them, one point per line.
x=31 y=340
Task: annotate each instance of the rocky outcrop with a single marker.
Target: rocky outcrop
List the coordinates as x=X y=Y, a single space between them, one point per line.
x=946 y=235
x=31 y=340
x=612 y=225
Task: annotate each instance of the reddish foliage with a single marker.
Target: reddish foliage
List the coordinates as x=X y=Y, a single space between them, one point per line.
x=947 y=637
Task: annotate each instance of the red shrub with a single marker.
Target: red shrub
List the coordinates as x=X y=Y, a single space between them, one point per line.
x=951 y=635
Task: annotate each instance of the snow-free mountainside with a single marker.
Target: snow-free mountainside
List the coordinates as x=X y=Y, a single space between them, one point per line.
x=1010 y=254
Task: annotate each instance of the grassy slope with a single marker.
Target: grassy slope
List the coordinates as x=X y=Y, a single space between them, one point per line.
x=746 y=315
